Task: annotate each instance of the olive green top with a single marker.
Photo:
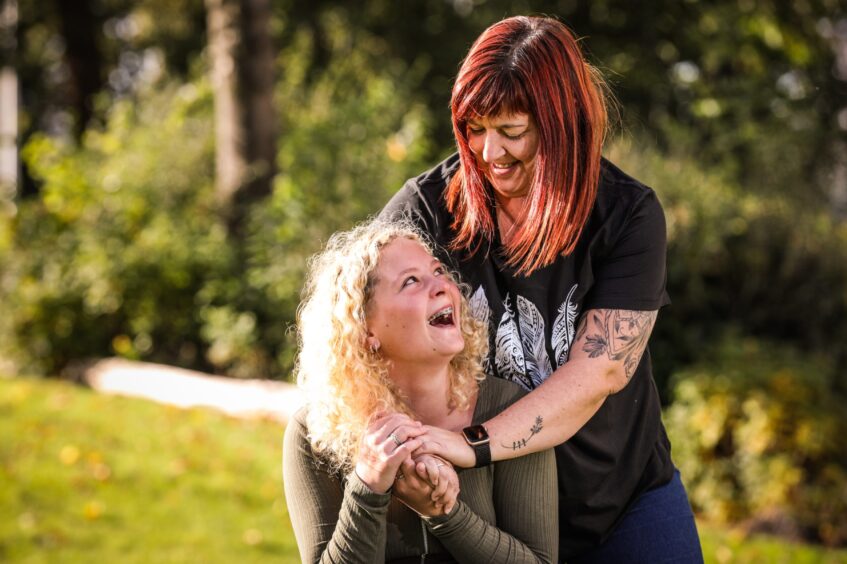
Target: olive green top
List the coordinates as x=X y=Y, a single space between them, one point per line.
x=507 y=511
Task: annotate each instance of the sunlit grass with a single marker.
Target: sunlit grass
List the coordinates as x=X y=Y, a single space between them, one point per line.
x=92 y=478
x=724 y=547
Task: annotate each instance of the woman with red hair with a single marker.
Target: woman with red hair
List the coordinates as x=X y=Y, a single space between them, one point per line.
x=564 y=255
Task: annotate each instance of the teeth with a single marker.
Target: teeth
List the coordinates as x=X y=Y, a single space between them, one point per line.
x=502 y=166
x=446 y=311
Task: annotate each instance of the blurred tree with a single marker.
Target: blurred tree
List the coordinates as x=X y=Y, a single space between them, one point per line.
x=75 y=59
x=752 y=86
x=80 y=29
x=242 y=70
x=8 y=103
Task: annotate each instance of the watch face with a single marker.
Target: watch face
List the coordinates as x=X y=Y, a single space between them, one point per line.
x=475 y=434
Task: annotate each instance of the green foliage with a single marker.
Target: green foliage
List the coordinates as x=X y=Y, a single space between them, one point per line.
x=91 y=478
x=124 y=252
x=735 y=257
x=758 y=436
x=351 y=135
x=122 y=238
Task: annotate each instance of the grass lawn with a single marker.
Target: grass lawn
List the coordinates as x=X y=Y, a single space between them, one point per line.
x=91 y=478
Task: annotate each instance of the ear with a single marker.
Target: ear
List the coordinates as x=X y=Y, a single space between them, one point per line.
x=372 y=342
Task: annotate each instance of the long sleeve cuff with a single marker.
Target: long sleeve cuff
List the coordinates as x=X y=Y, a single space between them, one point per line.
x=365 y=497
x=445 y=524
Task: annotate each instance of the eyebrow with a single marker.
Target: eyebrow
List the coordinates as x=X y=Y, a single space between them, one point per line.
x=413 y=269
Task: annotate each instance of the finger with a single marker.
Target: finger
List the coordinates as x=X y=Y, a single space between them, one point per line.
x=403 y=428
x=430 y=467
x=411 y=477
x=404 y=432
x=400 y=453
x=441 y=488
x=408 y=466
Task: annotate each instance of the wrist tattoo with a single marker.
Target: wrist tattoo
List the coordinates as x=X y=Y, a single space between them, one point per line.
x=534 y=430
x=618 y=334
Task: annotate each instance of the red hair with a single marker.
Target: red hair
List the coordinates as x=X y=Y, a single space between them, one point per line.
x=534 y=66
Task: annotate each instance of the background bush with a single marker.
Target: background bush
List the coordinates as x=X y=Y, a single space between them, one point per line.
x=123 y=251
x=768 y=265
x=759 y=437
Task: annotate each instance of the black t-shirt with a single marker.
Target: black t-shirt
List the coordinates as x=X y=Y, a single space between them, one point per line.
x=618 y=263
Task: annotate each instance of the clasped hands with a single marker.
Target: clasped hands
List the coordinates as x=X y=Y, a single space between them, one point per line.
x=390 y=458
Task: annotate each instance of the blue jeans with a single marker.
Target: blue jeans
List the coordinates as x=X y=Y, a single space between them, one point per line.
x=659 y=527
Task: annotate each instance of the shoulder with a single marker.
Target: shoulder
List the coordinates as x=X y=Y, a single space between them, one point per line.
x=296 y=430
x=495 y=395
x=297 y=446
x=619 y=192
x=438 y=176
x=623 y=206
x=424 y=190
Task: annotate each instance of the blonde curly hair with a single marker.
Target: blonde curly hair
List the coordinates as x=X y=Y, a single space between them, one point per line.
x=345 y=382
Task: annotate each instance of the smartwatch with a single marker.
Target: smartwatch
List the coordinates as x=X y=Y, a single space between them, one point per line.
x=477 y=437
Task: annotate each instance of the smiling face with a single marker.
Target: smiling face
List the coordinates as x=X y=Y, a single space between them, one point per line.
x=505 y=147
x=414 y=308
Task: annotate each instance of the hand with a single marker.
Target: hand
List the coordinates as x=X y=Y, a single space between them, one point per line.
x=417 y=492
x=388 y=441
x=448 y=445
x=442 y=476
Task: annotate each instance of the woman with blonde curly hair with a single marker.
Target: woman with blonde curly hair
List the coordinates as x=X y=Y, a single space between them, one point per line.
x=388 y=345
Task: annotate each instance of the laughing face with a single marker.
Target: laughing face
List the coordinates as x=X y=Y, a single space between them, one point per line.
x=414 y=310
x=505 y=147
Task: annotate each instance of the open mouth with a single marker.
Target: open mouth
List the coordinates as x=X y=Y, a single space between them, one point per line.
x=442 y=318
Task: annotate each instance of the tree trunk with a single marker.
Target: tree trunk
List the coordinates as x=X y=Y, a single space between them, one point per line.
x=80 y=29
x=242 y=56
x=8 y=102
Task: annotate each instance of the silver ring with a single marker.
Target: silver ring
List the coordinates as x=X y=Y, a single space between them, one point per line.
x=440 y=464
x=397 y=441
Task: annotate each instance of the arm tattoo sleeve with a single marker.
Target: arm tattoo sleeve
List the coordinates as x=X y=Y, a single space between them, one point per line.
x=617 y=334
x=534 y=430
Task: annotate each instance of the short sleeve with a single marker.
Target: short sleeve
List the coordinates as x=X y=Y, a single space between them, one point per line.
x=632 y=273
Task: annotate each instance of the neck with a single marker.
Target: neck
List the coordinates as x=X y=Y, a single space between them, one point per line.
x=426 y=389
x=508 y=212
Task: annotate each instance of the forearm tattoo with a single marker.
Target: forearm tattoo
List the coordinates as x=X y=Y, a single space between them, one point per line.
x=534 y=430
x=618 y=334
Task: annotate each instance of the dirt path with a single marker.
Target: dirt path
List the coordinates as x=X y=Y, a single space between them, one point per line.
x=187 y=388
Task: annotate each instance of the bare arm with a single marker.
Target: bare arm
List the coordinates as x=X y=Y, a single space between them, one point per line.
x=608 y=346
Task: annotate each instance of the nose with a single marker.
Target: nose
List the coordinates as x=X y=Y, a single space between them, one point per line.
x=492 y=148
x=439 y=285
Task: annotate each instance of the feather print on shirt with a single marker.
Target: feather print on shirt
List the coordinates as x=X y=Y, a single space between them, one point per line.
x=509 y=358
x=479 y=306
x=481 y=312
x=534 y=343
x=563 y=328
